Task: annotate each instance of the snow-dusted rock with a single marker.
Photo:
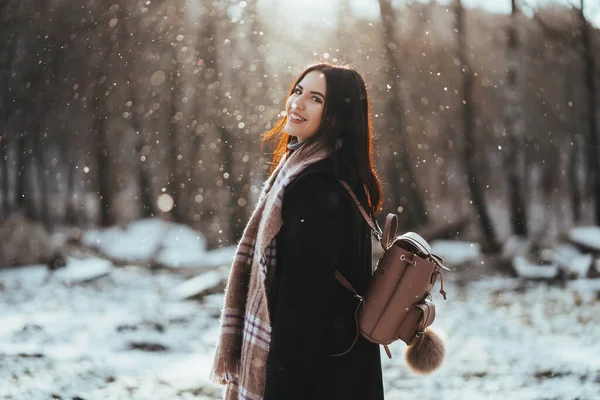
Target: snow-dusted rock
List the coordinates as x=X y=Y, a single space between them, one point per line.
x=196 y=259
x=528 y=269
x=180 y=240
x=155 y=241
x=134 y=243
x=79 y=271
x=456 y=252
x=203 y=284
x=586 y=236
x=572 y=260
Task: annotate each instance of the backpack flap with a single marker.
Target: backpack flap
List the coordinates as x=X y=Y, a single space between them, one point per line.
x=417 y=241
x=419 y=317
x=422 y=247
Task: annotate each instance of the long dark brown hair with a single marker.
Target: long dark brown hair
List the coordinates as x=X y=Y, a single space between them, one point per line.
x=347 y=116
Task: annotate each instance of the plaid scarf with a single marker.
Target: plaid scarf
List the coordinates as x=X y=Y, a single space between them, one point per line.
x=245 y=334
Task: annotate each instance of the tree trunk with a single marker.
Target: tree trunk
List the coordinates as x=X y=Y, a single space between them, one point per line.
x=206 y=156
x=102 y=153
x=100 y=112
x=145 y=178
x=470 y=156
x=22 y=171
x=575 y=192
x=257 y=43
x=4 y=150
x=70 y=157
x=175 y=151
x=575 y=149
x=103 y=165
x=403 y=186
x=42 y=178
x=243 y=140
x=513 y=125
x=146 y=192
x=5 y=67
x=590 y=85
x=25 y=154
x=129 y=34
x=234 y=211
x=145 y=184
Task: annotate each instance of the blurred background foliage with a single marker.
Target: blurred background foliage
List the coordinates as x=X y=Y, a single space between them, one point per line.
x=111 y=111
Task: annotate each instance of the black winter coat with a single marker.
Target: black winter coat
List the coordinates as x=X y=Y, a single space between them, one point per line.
x=312 y=314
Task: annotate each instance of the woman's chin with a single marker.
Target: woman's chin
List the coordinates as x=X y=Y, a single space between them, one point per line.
x=291 y=130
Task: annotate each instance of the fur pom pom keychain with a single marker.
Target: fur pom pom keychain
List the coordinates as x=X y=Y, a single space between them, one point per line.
x=427 y=353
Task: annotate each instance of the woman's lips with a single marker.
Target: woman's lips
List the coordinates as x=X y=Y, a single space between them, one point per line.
x=295 y=121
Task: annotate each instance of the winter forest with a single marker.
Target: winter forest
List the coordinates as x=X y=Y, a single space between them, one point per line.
x=131 y=160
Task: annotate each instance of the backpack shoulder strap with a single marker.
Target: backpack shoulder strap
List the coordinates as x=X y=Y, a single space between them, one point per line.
x=345 y=283
x=338 y=275
x=342 y=280
x=350 y=288
x=374 y=226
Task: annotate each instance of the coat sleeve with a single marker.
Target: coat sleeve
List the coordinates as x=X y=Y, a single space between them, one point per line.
x=312 y=236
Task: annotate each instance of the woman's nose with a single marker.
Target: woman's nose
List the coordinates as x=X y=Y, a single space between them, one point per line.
x=298 y=104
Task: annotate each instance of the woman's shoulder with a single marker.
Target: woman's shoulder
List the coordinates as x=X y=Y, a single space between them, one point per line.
x=323 y=179
x=326 y=172
x=315 y=188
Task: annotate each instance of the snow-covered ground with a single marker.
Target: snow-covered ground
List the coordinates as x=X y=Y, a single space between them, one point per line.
x=128 y=336
x=95 y=331
x=123 y=336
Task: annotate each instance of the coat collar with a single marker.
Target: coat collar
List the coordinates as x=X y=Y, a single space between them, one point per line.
x=338 y=166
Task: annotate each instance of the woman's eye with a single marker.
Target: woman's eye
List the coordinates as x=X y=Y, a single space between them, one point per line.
x=298 y=92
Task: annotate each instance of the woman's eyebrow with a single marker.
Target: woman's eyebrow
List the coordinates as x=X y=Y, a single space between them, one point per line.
x=313 y=91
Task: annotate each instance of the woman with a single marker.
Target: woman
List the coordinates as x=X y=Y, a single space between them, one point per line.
x=286 y=320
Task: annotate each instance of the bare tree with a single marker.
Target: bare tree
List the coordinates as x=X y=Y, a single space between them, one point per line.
x=4 y=76
x=470 y=154
x=26 y=143
x=207 y=158
x=589 y=78
x=41 y=169
x=176 y=138
x=575 y=150
x=19 y=105
x=102 y=153
x=102 y=90
x=403 y=185
x=69 y=154
x=247 y=83
x=4 y=171
x=513 y=151
x=93 y=78
x=131 y=36
x=584 y=47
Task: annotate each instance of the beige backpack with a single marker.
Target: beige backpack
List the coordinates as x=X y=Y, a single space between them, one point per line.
x=398 y=303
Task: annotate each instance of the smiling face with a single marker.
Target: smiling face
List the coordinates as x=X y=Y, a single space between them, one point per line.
x=305 y=106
